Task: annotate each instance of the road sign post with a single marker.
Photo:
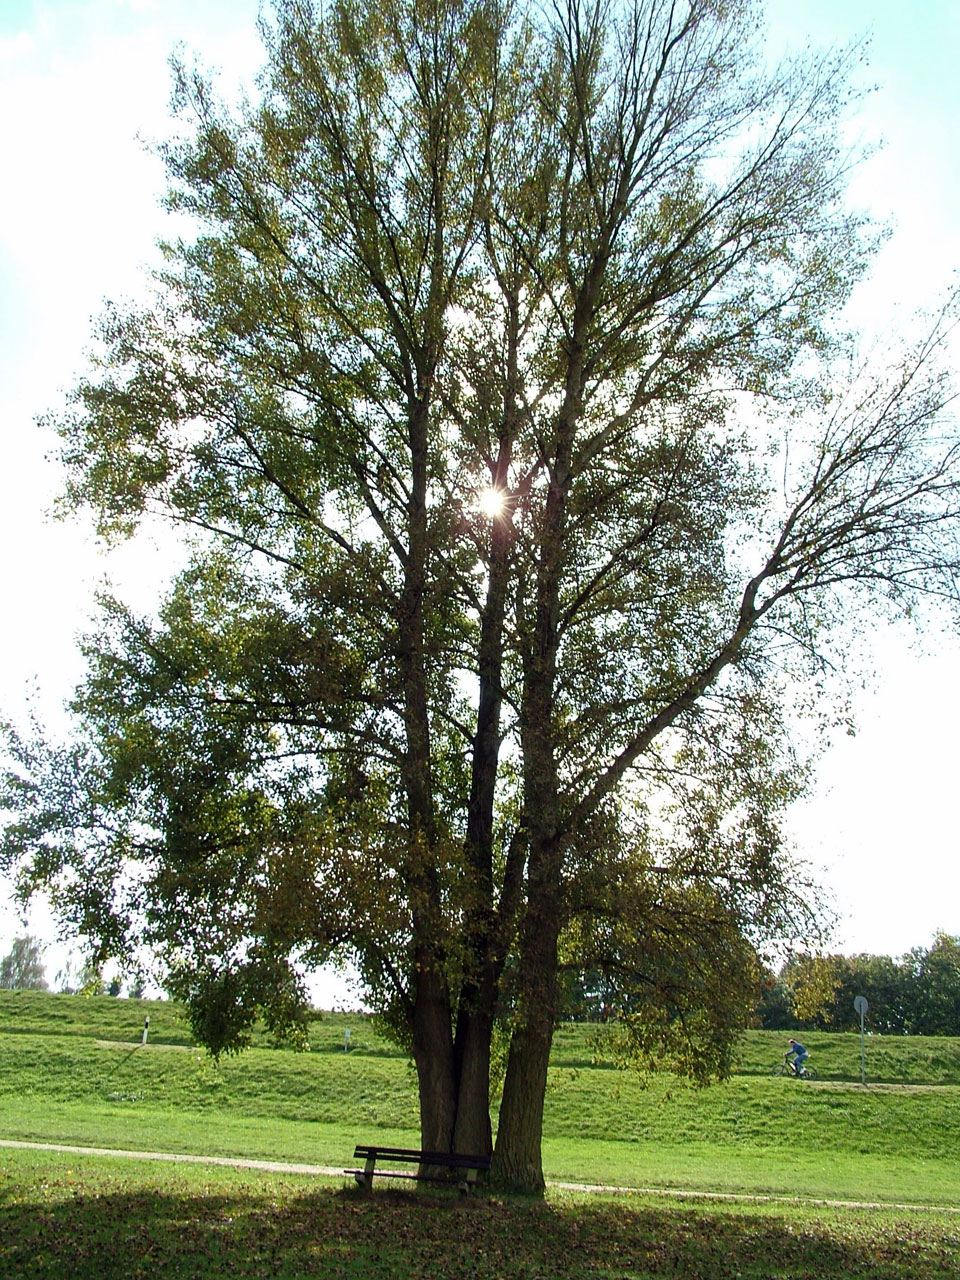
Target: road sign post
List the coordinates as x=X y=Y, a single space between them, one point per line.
x=861 y=1005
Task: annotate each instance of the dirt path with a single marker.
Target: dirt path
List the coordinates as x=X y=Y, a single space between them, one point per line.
x=174 y=1157
x=327 y=1171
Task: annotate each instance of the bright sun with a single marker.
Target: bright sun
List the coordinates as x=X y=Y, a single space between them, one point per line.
x=492 y=502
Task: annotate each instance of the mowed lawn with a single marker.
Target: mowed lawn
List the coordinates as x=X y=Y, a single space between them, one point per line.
x=74 y=1071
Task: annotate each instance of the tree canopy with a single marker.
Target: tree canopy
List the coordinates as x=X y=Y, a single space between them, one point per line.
x=499 y=384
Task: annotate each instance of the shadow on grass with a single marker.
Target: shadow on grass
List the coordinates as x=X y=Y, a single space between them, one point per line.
x=85 y=1231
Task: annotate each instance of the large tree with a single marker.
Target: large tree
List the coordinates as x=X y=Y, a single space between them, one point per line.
x=585 y=259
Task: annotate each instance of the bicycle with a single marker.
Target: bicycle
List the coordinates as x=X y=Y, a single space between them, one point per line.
x=785 y=1068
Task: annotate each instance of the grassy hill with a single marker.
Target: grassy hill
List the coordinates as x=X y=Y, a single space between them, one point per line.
x=75 y=1071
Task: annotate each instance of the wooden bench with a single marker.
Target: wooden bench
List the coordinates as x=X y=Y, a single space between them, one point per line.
x=469 y=1166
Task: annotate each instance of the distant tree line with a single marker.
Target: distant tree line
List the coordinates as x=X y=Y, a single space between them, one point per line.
x=914 y=994
x=22 y=969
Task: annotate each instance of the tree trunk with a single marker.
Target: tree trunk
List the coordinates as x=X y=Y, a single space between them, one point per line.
x=517 y=1160
x=473 y=1133
x=433 y=1057
x=478 y=998
x=517 y=1163
x=432 y=1024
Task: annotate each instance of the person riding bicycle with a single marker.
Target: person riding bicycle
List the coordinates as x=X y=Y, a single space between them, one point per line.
x=799 y=1055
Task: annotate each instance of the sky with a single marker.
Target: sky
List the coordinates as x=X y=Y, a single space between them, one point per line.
x=84 y=86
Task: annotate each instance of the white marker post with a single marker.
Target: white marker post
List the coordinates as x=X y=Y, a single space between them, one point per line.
x=146 y=1028
x=346 y=1040
x=861 y=1005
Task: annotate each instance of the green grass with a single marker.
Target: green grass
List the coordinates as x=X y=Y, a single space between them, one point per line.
x=104 y=1018
x=889 y=1059
x=103 y=1219
x=75 y=1072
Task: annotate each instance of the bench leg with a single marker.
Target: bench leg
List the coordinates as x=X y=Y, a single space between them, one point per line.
x=365 y=1179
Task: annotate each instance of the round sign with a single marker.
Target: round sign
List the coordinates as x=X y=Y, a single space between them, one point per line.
x=860 y=1005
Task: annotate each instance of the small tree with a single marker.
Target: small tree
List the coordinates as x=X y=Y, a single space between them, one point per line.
x=22 y=967
x=90 y=981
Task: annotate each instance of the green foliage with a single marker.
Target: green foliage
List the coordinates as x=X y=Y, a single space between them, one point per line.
x=917 y=994
x=936 y=988
x=815 y=986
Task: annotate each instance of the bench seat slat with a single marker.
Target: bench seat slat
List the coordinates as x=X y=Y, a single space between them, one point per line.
x=469 y=1165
